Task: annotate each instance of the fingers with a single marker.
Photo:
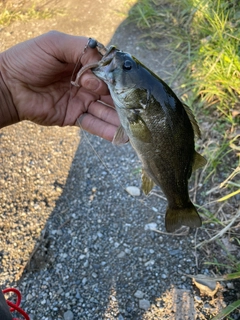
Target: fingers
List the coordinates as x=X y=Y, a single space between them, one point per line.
x=108 y=100
x=96 y=126
x=100 y=120
x=107 y=114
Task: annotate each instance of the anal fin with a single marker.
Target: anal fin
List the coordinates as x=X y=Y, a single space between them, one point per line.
x=147 y=183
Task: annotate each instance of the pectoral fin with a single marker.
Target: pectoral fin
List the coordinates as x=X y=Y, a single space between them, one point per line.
x=147 y=183
x=139 y=128
x=198 y=162
x=120 y=137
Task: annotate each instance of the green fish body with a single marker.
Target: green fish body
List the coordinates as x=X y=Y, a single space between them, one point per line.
x=160 y=129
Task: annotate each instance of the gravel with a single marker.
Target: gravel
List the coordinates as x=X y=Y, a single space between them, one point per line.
x=91 y=237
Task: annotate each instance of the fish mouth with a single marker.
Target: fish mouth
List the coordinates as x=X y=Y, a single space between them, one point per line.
x=106 y=65
x=108 y=57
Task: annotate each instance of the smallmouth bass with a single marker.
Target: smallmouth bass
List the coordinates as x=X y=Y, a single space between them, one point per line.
x=159 y=127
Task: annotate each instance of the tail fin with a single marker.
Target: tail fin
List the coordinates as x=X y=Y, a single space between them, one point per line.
x=188 y=216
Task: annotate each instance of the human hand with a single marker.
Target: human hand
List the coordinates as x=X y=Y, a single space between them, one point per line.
x=38 y=73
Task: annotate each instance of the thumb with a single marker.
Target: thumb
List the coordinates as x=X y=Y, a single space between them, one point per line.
x=90 y=82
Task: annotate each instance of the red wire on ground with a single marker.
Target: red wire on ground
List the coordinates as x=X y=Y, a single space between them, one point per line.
x=15 y=306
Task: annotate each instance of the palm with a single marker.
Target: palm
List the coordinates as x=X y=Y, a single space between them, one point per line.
x=40 y=77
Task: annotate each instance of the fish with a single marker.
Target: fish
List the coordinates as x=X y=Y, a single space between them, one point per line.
x=160 y=128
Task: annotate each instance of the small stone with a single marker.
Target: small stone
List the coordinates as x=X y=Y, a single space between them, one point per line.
x=230 y=285
x=174 y=252
x=144 y=304
x=197 y=298
x=121 y=254
x=29 y=297
x=93 y=300
x=84 y=281
x=59 y=232
x=68 y=315
x=133 y=191
x=60 y=290
x=116 y=244
x=85 y=265
x=139 y=294
x=149 y=263
x=150 y=226
x=164 y=276
x=59 y=189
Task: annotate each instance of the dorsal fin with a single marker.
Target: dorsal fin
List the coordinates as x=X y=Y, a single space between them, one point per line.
x=194 y=123
x=198 y=161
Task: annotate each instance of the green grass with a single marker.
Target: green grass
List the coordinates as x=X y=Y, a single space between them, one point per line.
x=8 y=15
x=144 y=14
x=205 y=40
x=228 y=310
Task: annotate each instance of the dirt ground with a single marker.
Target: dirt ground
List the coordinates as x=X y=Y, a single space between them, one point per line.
x=78 y=253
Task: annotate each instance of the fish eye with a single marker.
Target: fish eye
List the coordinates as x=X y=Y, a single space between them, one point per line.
x=127 y=65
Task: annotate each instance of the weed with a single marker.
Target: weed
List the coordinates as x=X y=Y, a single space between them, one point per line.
x=9 y=15
x=144 y=14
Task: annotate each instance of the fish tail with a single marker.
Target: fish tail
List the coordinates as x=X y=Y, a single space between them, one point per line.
x=177 y=217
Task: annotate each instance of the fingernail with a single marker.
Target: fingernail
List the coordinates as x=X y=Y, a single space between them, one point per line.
x=92 y=84
x=78 y=122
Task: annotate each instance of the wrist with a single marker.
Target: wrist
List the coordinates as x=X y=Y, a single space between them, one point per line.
x=8 y=112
